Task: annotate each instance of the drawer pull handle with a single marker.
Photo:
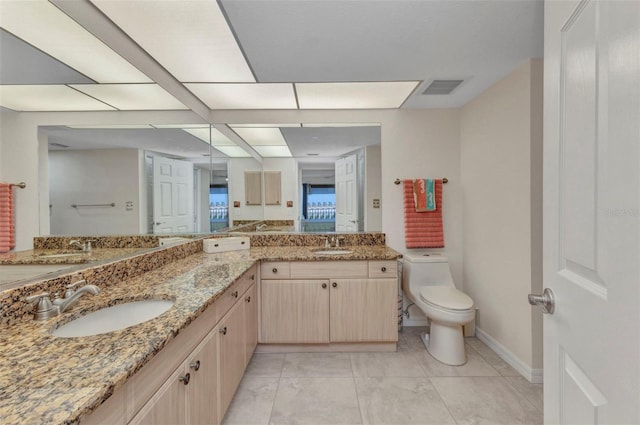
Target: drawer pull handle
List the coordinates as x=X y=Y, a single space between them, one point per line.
x=223 y=330
x=324 y=286
x=234 y=294
x=274 y=270
x=248 y=299
x=195 y=365
x=384 y=269
x=334 y=284
x=185 y=379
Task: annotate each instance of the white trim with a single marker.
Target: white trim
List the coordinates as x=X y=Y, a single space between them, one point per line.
x=535 y=376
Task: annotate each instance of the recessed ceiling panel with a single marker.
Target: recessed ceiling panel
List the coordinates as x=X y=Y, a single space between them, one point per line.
x=245 y=96
x=203 y=134
x=273 y=151
x=21 y=63
x=110 y=126
x=354 y=95
x=372 y=40
x=342 y=124
x=261 y=136
x=233 y=151
x=329 y=142
x=264 y=125
x=44 y=26
x=48 y=98
x=191 y=39
x=132 y=97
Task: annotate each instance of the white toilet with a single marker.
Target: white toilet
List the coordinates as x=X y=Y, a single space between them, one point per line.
x=427 y=281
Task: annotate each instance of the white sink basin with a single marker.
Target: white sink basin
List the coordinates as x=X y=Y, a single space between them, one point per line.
x=113 y=318
x=333 y=251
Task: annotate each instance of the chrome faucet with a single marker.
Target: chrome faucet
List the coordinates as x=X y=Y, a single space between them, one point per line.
x=261 y=226
x=45 y=309
x=85 y=247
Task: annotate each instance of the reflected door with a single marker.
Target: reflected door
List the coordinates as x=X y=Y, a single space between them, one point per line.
x=172 y=196
x=591 y=212
x=347 y=194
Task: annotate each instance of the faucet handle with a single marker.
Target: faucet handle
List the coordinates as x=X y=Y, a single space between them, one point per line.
x=44 y=308
x=87 y=244
x=71 y=288
x=41 y=297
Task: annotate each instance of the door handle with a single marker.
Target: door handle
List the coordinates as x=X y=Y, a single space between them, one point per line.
x=158 y=223
x=353 y=221
x=546 y=301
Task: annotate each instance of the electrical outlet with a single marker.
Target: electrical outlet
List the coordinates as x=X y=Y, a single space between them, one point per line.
x=376 y=203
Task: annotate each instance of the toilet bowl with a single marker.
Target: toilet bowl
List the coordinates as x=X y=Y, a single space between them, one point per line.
x=427 y=281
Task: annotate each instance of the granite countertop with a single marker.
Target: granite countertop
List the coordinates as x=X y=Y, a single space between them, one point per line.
x=45 y=379
x=64 y=256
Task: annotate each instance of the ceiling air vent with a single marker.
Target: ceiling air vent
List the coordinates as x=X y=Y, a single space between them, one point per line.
x=442 y=86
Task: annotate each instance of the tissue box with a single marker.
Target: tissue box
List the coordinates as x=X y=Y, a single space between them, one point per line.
x=235 y=243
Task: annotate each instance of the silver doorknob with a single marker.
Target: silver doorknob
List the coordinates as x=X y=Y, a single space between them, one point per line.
x=546 y=301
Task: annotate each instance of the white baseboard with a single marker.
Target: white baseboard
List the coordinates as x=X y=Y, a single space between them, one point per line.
x=415 y=322
x=535 y=376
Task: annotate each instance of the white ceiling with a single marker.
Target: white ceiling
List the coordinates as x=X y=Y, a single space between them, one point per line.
x=256 y=54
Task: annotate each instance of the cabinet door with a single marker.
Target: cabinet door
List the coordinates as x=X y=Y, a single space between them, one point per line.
x=168 y=404
x=294 y=311
x=232 y=346
x=203 y=386
x=272 y=188
x=253 y=187
x=363 y=310
x=251 y=322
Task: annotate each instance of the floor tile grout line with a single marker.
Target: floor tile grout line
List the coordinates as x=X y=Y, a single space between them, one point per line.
x=275 y=395
x=521 y=393
x=355 y=388
x=444 y=403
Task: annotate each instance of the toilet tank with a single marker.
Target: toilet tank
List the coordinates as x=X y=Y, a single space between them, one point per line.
x=426 y=269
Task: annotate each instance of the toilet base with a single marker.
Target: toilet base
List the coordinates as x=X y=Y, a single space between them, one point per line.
x=445 y=343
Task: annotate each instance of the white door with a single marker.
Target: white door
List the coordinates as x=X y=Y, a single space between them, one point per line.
x=592 y=212
x=172 y=195
x=347 y=194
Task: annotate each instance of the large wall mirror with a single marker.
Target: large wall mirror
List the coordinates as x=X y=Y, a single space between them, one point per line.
x=191 y=178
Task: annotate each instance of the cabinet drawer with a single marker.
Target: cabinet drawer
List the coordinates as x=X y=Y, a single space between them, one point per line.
x=386 y=269
x=228 y=299
x=328 y=269
x=275 y=270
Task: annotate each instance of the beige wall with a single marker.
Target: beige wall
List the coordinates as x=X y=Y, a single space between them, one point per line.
x=501 y=147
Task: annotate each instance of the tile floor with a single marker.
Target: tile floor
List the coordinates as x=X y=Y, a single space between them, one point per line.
x=401 y=388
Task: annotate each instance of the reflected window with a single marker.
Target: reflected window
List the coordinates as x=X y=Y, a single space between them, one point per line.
x=318 y=208
x=218 y=207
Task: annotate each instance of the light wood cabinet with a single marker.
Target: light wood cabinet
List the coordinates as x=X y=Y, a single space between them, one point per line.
x=355 y=302
x=168 y=404
x=253 y=187
x=251 y=323
x=363 y=310
x=295 y=311
x=232 y=353
x=272 y=188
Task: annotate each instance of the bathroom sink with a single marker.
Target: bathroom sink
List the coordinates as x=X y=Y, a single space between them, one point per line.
x=333 y=251
x=113 y=318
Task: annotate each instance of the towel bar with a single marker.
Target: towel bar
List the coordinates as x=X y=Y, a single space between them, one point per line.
x=113 y=204
x=444 y=180
x=21 y=185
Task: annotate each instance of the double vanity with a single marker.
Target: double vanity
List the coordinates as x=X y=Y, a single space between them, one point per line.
x=184 y=364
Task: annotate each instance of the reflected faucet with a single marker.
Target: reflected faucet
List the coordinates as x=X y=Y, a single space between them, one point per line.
x=261 y=226
x=85 y=247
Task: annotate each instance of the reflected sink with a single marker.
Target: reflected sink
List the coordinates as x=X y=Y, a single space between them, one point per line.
x=113 y=318
x=333 y=251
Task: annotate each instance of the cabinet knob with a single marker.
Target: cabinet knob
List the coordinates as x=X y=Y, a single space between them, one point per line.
x=248 y=299
x=185 y=379
x=334 y=284
x=195 y=365
x=324 y=286
x=234 y=294
x=384 y=269
x=223 y=330
x=274 y=270
x=253 y=277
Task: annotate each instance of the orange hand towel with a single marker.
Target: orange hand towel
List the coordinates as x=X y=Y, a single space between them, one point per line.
x=423 y=229
x=7 y=227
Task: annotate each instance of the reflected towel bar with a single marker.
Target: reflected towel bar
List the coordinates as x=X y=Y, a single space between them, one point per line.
x=113 y=204
x=21 y=185
x=444 y=180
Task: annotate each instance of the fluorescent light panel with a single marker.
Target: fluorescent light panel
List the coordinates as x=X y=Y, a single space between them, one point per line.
x=217 y=138
x=132 y=97
x=264 y=125
x=191 y=39
x=246 y=96
x=233 y=151
x=273 y=151
x=261 y=136
x=376 y=95
x=44 y=26
x=48 y=98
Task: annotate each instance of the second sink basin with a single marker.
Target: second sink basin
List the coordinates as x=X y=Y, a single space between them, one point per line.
x=333 y=251
x=113 y=318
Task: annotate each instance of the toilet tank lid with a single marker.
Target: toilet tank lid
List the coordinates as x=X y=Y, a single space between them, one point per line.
x=424 y=257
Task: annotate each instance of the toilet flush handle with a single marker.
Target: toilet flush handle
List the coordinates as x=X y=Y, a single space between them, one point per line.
x=546 y=301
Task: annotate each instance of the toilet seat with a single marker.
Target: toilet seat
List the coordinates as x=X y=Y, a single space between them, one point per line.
x=446 y=297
